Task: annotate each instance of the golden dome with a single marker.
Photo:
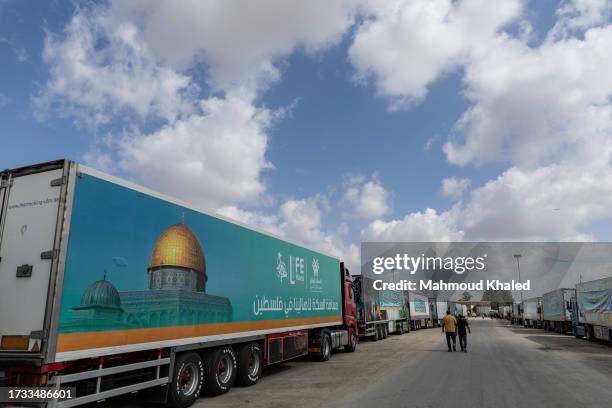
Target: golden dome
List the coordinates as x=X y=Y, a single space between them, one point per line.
x=178 y=246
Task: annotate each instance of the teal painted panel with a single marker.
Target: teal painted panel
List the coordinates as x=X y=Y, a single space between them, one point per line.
x=250 y=276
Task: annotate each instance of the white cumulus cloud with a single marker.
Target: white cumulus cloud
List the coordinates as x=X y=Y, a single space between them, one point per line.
x=407 y=45
x=425 y=226
x=453 y=187
x=212 y=158
x=365 y=198
x=99 y=70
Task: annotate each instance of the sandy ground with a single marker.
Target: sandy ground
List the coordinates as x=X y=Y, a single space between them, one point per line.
x=506 y=366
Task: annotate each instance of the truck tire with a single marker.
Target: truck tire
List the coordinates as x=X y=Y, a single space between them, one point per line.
x=376 y=334
x=325 y=347
x=220 y=370
x=188 y=377
x=385 y=331
x=250 y=364
x=352 y=345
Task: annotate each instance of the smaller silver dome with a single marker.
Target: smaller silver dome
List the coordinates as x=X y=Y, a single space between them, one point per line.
x=101 y=293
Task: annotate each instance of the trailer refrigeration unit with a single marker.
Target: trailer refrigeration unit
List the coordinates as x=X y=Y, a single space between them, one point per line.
x=419 y=311
x=594 y=300
x=112 y=288
x=532 y=312
x=558 y=307
x=379 y=312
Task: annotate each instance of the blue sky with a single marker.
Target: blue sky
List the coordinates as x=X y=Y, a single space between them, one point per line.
x=330 y=122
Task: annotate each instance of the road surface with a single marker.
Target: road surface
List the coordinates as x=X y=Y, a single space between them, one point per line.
x=506 y=366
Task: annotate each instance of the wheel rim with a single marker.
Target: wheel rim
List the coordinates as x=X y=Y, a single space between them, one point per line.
x=354 y=340
x=188 y=379
x=224 y=369
x=253 y=364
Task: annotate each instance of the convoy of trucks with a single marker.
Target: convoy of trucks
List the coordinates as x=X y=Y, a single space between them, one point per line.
x=113 y=288
x=585 y=311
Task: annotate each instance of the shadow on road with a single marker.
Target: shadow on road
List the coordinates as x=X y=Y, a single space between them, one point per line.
x=568 y=343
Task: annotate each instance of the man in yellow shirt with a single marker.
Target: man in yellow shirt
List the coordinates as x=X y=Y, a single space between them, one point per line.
x=449 y=326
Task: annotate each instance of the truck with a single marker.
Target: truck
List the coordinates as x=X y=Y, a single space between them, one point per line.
x=532 y=312
x=112 y=288
x=594 y=317
x=441 y=309
x=394 y=304
x=434 y=314
x=504 y=311
x=420 y=317
x=517 y=313
x=558 y=309
x=379 y=312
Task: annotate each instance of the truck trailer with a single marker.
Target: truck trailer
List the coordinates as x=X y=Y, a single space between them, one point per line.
x=441 y=309
x=379 y=312
x=505 y=311
x=594 y=301
x=558 y=308
x=112 y=288
x=420 y=317
x=532 y=312
x=517 y=313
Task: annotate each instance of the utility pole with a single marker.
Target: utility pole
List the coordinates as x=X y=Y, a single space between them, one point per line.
x=518 y=267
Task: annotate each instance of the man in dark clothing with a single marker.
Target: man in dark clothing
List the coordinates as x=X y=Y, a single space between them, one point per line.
x=463 y=327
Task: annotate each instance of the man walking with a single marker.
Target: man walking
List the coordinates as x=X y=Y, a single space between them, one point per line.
x=449 y=326
x=463 y=327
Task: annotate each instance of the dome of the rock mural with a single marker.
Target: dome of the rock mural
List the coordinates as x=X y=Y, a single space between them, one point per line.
x=102 y=294
x=177 y=246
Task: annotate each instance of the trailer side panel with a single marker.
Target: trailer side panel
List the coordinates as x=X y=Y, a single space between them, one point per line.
x=144 y=272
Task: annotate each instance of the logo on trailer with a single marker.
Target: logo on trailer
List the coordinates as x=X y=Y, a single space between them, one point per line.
x=281 y=268
x=316 y=284
x=296 y=274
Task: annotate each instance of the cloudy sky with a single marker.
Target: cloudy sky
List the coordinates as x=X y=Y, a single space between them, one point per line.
x=329 y=122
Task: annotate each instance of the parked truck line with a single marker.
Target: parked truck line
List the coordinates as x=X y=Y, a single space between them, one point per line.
x=86 y=302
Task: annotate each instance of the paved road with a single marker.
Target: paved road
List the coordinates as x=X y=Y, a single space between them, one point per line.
x=506 y=367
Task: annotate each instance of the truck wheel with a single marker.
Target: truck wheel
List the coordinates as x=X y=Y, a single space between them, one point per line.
x=352 y=346
x=221 y=368
x=325 y=347
x=376 y=333
x=250 y=364
x=188 y=377
x=385 y=330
